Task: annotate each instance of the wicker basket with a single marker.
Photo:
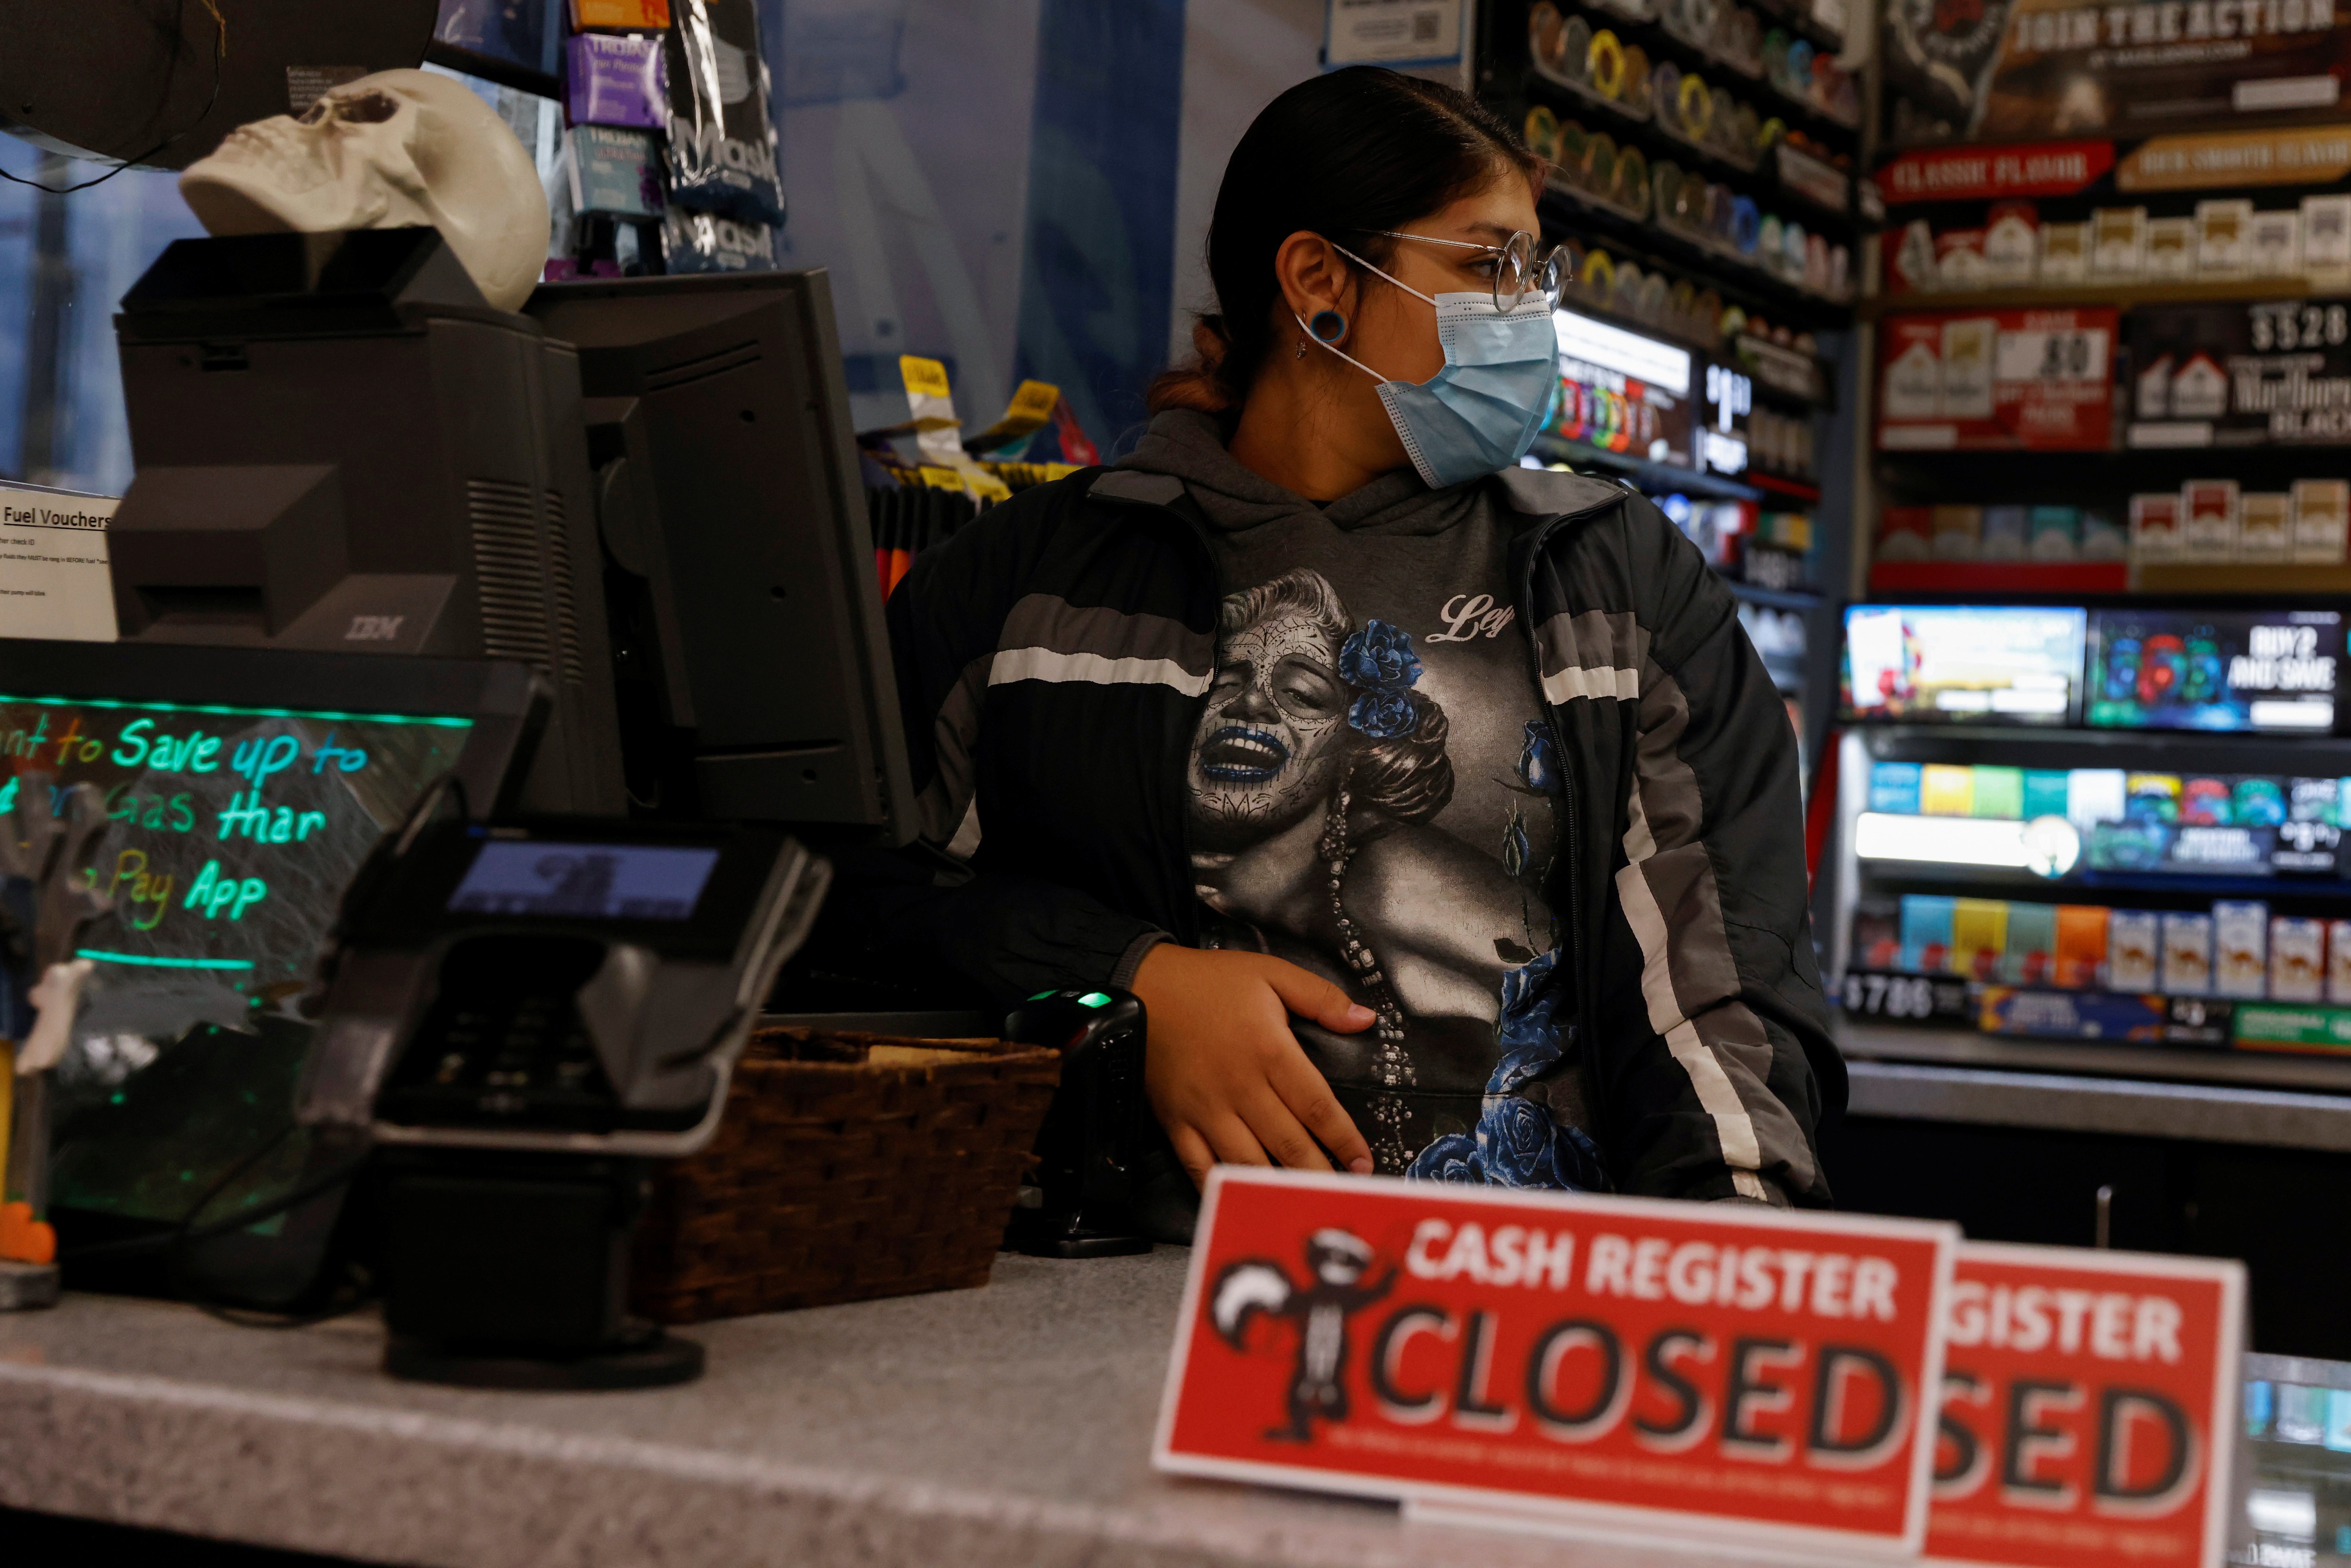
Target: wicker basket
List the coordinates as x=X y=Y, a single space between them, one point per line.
x=848 y=1166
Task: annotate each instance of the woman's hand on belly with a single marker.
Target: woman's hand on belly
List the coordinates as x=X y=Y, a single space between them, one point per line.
x=1226 y=1077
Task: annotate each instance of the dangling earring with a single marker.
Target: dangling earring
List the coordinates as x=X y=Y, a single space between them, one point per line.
x=1301 y=350
x=1328 y=326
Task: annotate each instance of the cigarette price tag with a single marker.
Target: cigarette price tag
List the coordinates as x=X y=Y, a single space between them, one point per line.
x=1607 y=1366
x=2000 y=379
x=2089 y=1409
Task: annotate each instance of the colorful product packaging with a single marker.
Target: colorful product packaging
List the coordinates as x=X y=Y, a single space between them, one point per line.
x=2056 y=534
x=649 y=15
x=2117 y=241
x=614 y=172
x=2065 y=254
x=2004 y=533
x=1906 y=533
x=2205 y=802
x=1997 y=792
x=1927 y=932
x=2081 y=945
x=2241 y=960
x=2154 y=529
x=2134 y=945
x=2338 y=962
x=2151 y=798
x=2265 y=526
x=2030 y=957
x=2312 y=800
x=616 y=79
x=1947 y=791
x=2011 y=244
x=722 y=137
x=2095 y=795
x=2186 y=953
x=2045 y=793
x=1894 y=788
x=2102 y=538
x=2326 y=233
x=2224 y=246
x=2273 y=244
x=2321 y=520
x=2297 y=960
x=2170 y=248
x=1877 y=935
x=2208 y=511
x=705 y=242
x=1958 y=533
x=1979 y=936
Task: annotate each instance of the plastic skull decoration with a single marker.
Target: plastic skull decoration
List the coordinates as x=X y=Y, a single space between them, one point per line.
x=396 y=150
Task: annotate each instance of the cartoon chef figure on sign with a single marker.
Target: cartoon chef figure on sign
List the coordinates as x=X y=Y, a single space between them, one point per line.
x=1337 y=1262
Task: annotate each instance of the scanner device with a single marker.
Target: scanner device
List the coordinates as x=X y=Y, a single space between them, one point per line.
x=1080 y=1200
x=521 y=1015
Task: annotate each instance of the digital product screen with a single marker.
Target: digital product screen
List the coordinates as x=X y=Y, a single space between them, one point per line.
x=1622 y=392
x=1962 y=663
x=232 y=834
x=2192 y=669
x=584 y=882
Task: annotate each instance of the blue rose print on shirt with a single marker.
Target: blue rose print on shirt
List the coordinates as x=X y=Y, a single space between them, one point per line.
x=1519 y=1142
x=1378 y=661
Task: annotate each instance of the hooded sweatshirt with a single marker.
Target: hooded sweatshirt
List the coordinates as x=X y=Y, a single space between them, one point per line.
x=1372 y=788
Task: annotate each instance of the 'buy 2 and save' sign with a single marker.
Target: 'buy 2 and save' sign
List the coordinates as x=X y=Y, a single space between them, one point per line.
x=1615 y=1364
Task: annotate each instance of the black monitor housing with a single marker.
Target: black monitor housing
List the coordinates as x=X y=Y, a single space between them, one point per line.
x=341 y=446
x=754 y=665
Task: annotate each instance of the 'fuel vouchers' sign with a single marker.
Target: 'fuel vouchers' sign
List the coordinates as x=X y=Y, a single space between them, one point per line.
x=2088 y=1409
x=1600 y=1364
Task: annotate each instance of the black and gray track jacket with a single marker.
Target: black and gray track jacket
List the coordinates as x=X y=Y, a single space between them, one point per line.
x=1052 y=660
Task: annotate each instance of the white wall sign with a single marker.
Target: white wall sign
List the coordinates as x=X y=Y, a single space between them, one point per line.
x=1391 y=33
x=53 y=575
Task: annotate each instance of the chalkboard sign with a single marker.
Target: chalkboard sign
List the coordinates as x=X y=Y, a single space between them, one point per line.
x=232 y=833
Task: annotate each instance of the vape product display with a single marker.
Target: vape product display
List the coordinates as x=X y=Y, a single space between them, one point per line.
x=1961 y=664
x=2224 y=670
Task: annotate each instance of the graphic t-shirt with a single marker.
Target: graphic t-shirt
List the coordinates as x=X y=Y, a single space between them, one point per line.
x=1373 y=786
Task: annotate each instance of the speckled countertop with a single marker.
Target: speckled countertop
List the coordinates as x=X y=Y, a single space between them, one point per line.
x=1009 y=1425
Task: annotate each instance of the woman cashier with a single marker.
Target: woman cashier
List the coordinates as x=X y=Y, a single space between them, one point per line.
x=1437 y=809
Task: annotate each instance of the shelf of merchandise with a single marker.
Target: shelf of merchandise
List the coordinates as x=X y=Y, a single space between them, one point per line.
x=2054 y=748
x=2117 y=293
x=1785 y=382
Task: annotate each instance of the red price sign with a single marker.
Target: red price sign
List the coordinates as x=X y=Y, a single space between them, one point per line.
x=1605 y=1364
x=2089 y=1409
x=1997 y=380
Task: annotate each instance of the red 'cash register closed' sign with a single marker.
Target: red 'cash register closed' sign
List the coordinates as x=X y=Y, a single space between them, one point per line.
x=2089 y=1409
x=1605 y=1363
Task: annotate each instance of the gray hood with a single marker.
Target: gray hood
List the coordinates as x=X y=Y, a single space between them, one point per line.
x=1190 y=446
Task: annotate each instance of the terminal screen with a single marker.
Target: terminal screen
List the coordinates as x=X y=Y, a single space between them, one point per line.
x=584 y=882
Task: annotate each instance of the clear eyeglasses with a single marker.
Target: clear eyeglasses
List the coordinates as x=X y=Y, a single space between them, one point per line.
x=1519 y=271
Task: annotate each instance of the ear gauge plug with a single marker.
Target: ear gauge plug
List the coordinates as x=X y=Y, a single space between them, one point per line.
x=1328 y=326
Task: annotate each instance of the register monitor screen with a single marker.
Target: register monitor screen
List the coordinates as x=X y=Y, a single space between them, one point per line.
x=2206 y=669
x=244 y=788
x=1956 y=664
x=753 y=668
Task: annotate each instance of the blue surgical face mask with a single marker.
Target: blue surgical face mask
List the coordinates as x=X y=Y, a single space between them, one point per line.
x=1480 y=413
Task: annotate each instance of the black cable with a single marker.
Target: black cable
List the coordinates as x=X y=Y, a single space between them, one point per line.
x=180 y=28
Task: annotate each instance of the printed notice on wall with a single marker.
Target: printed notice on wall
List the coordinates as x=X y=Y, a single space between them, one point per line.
x=53 y=576
x=1391 y=33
